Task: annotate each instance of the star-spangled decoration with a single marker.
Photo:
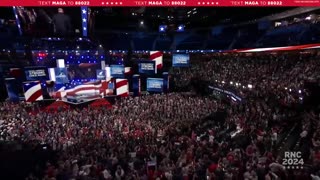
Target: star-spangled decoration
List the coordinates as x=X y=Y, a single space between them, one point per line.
x=84 y=16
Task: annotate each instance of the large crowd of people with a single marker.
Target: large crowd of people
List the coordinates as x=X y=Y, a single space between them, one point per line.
x=183 y=135
x=282 y=75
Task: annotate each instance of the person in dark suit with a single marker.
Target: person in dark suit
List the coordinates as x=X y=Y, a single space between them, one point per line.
x=62 y=23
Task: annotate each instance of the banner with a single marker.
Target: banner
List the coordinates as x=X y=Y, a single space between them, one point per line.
x=117 y=71
x=36 y=73
x=32 y=91
x=147 y=67
x=136 y=85
x=185 y=3
x=180 y=60
x=101 y=74
x=61 y=76
x=155 y=84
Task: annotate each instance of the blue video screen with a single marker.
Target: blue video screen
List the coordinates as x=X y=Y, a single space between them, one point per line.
x=83 y=71
x=155 y=84
x=147 y=67
x=61 y=75
x=101 y=74
x=117 y=71
x=36 y=73
x=180 y=60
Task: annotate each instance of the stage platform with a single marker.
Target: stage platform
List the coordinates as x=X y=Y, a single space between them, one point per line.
x=77 y=100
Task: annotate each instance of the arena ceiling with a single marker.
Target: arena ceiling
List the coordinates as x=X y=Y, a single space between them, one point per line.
x=111 y=18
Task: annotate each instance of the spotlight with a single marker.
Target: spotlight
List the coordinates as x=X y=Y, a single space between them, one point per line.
x=141 y=22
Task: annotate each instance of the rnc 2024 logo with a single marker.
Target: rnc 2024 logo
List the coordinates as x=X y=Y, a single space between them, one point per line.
x=293 y=160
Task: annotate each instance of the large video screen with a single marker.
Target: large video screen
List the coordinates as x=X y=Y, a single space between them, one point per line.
x=180 y=60
x=155 y=84
x=61 y=75
x=101 y=74
x=36 y=73
x=117 y=71
x=83 y=71
x=50 y=21
x=147 y=67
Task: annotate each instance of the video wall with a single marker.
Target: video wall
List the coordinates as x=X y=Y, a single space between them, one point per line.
x=155 y=84
x=46 y=21
x=180 y=60
x=117 y=71
x=147 y=67
x=83 y=71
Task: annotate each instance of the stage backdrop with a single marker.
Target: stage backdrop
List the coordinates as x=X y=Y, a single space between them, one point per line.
x=155 y=84
x=180 y=60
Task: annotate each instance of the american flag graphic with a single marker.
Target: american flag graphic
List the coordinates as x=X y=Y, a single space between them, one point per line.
x=87 y=90
x=157 y=56
x=32 y=91
x=122 y=87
